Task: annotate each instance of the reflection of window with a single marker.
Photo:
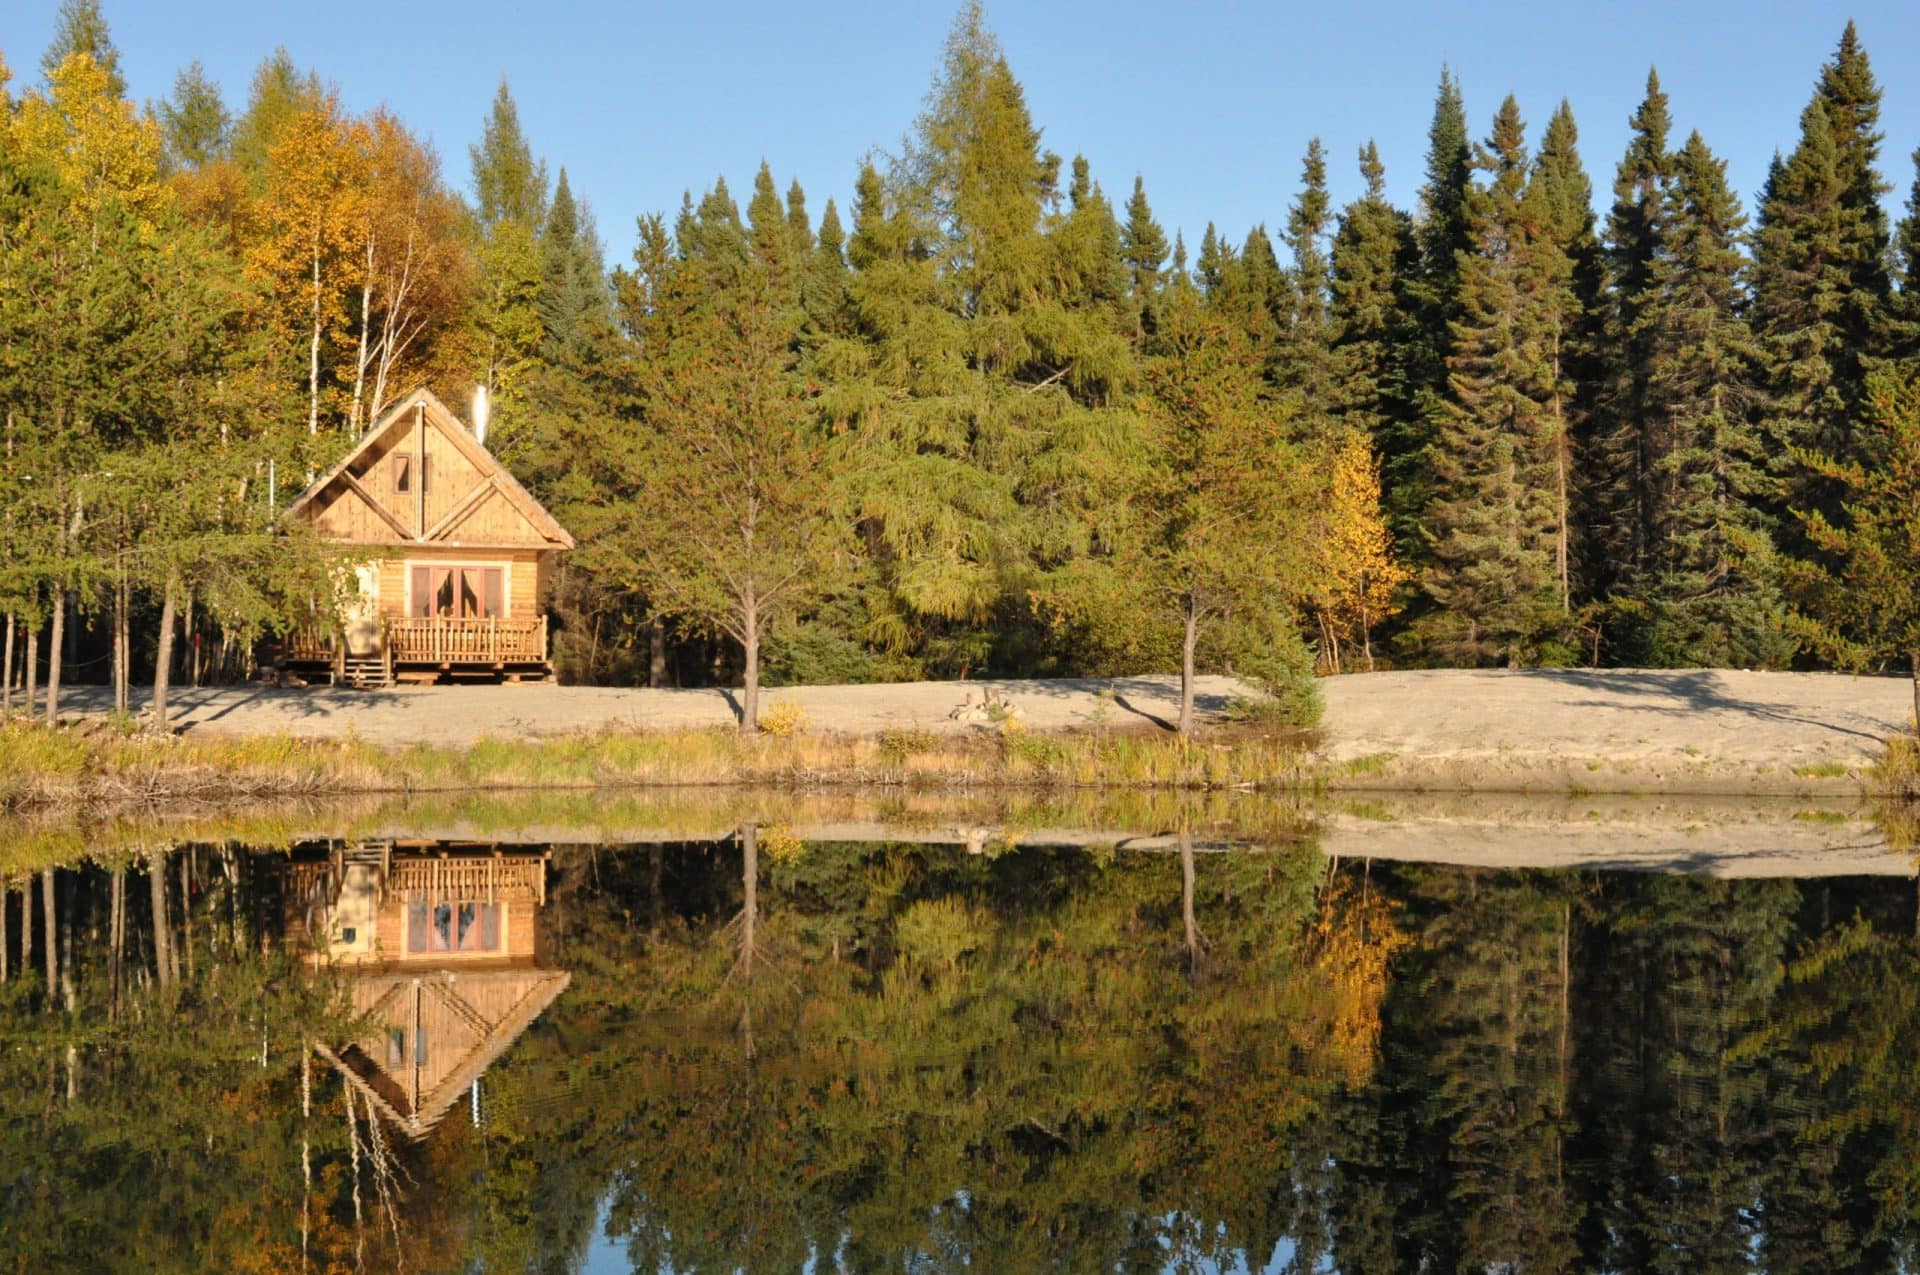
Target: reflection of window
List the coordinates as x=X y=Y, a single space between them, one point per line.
x=396 y=1048
x=465 y=593
x=453 y=927
x=402 y=471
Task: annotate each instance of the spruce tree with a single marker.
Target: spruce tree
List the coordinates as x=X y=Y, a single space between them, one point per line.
x=1618 y=490
x=1210 y=267
x=79 y=27
x=1565 y=262
x=278 y=92
x=194 y=120
x=1820 y=280
x=1900 y=342
x=574 y=303
x=1374 y=257
x=1304 y=362
x=1143 y=248
x=1493 y=519
x=1706 y=593
x=1443 y=233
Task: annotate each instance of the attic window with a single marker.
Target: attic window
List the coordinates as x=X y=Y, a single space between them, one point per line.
x=403 y=471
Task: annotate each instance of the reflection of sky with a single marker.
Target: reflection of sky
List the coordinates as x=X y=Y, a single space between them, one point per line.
x=607 y=1255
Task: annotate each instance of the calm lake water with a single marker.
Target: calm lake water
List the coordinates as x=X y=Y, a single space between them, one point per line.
x=771 y=1054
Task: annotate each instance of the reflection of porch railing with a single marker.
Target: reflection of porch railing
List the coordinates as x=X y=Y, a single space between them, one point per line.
x=444 y=641
x=494 y=878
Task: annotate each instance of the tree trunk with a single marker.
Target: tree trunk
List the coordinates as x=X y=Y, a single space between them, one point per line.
x=313 y=347
x=656 y=655
x=1187 y=919
x=162 y=932
x=33 y=664
x=54 y=640
x=52 y=930
x=120 y=679
x=186 y=907
x=116 y=935
x=67 y=922
x=163 y=659
x=6 y=904
x=6 y=678
x=750 y=694
x=1913 y=660
x=1187 y=644
x=26 y=927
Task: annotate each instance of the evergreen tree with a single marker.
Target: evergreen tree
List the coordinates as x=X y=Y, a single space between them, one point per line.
x=510 y=192
x=277 y=93
x=1565 y=261
x=1706 y=594
x=1618 y=489
x=1144 y=248
x=1901 y=342
x=1443 y=232
x=1305 y=358
x=1820 y=279
x=79 y=27
x=1373 y=260
x=1210 y=266
x=1494 y=518
x=573 y=299
x=197 y=127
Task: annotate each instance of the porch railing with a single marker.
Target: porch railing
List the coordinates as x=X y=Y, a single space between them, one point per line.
x=434 y=640
x=439 y=640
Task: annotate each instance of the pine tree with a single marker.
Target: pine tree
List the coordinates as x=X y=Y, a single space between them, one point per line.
x=1565 y=261
x=510 y=192
x=1144 y=248
x=1820 y=279
x=1706 y=594
x=1494 y=518
x=1443 y=232
x=1901 y=339
x=79 y=27
x=1618 y=489
x=1210 y=267
x=1374 y=257
x=277 y=93
x=1305 y=361
x=573 y=298
x=195 y=121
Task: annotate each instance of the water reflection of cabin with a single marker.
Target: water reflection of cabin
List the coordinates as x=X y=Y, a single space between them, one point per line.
x=459 y=558
x=442 y=945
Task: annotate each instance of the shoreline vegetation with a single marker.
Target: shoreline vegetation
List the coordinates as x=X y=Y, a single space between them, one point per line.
x=101 y=763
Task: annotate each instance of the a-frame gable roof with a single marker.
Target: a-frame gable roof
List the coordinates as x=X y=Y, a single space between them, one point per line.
x=400 y=417
x=483 y=1039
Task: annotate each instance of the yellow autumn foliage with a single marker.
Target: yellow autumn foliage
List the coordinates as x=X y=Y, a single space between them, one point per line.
x=1359 y=577
x=93 y=141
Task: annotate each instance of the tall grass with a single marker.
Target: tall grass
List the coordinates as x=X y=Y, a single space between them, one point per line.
x=41 y=767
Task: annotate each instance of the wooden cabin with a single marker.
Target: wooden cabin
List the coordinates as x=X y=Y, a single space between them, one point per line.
x=459 y=558
x=441 y=944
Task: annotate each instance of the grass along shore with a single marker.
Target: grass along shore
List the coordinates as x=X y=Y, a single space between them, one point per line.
x=42 y=767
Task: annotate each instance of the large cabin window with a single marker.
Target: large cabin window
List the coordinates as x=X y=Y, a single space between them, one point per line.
x=459 y=593
x=453 y=927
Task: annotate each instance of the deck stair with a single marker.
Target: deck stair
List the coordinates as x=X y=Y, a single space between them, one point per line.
x=368 y=673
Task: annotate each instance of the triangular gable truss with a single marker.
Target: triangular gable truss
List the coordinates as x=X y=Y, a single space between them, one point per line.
x=495 y=479
x=493 y=1040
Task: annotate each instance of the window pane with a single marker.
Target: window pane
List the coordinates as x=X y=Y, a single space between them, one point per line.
x=469 y=594
x=417 y=928
x=422 y=592
x=495 y=600
x=402 y=470
x=443 y=591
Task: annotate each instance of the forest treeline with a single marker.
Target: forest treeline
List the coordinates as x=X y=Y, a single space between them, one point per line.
x=989 y=419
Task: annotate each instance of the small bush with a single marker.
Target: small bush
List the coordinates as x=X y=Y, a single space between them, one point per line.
x=784 y=720
x=896 y=744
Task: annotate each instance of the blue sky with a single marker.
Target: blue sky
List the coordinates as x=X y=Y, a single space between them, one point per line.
x=1213 y=102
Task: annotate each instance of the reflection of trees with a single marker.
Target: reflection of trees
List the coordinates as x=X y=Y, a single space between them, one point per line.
x=1008 y=1060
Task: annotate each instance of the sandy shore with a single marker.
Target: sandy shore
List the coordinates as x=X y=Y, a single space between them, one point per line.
x=1536 y=731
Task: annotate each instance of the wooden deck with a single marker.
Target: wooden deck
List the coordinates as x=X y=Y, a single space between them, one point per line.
x=424 y=649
